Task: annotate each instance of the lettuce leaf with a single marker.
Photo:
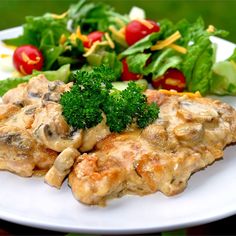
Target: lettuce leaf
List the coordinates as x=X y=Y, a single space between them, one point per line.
x=137 y=62
x=141 y=45
x=41 y=30
x=109 y=59
x=94 y=16
x=223 y=79
x=197 y=65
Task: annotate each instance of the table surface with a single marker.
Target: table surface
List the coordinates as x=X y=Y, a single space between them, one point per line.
x=222 y=227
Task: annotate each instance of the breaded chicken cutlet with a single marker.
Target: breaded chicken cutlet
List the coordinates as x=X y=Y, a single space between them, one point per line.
x=190 y=133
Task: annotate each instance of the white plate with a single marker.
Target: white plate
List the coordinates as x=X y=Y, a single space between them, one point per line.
x=210 y=195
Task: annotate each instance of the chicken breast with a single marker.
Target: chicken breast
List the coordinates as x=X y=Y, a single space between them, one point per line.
x=21 y=154
x=190 y=133
x=32 y=128
x=37 y=90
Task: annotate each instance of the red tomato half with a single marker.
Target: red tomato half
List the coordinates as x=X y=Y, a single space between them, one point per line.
x=172 y=79
x=126 y=74
x=136 y=30
x=27 y=58
x=93 y=37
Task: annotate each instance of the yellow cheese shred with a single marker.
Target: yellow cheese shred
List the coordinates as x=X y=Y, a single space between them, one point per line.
x=210 y=29
x=173 y=92
x=164 y=43
x=178 y=48
x=120 y=22
x=94 y=47
x=61 y=16
x=145 y=22
x=78 y=35
x=62 y=39
x=109 y=40
x=118 y=33
x=4 y=55
x=81 y=36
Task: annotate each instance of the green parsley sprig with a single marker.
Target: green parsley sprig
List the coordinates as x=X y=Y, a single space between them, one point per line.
x=93 y=94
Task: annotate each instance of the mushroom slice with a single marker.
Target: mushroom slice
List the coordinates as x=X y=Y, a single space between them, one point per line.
x=51 y=129
x=21 y=154
x=16 y=150
x=61 y=167
x=57 y=142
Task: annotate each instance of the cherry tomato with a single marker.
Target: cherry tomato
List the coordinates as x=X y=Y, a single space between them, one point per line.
x=126 y=74
x=136 y=30
x=172 y=79
x=27 y=58
x=93 y=37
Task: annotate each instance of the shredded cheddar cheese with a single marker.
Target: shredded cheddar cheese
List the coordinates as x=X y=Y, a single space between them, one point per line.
x=77 y=35
x=120 y=22
x=72 y=38
x=168 y=41
x=173 y=92
x=61 y=16
x=211 y=29
x=29 y=61
x=22 y=71
x=4 y=55
x=81 y=36
x=118 y=33
x=178 y=48
x=109 y=40
x=145 y=22
x=174 y=82
x=94 y=47
x=62 y=39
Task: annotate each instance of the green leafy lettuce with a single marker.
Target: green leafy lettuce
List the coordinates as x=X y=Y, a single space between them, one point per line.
x=94 y=16
x=223 y=79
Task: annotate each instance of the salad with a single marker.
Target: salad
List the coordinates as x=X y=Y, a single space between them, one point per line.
x=178 y=56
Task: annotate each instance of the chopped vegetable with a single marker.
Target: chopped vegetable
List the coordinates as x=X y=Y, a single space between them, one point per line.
x=121 y=85
x=92 y=95
x=138 y=29
x=93 y=37
x=126 y=74
x=173 y=79
x=27 y=58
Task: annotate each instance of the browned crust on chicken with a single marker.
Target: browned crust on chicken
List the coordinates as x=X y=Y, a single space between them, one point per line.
x=190 y=134
x=32 y=128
